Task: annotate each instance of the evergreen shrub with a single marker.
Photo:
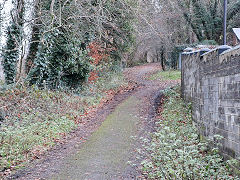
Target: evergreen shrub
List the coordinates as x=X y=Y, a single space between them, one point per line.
x=60 y=62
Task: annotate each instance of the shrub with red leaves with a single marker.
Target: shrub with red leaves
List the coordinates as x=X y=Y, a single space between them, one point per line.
x=99 y=55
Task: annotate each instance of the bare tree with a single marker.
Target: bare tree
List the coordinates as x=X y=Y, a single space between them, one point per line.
x=161 y=26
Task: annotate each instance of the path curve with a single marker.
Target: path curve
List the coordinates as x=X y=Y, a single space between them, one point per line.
x=108 y=149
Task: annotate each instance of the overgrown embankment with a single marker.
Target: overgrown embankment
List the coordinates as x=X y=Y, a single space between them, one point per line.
x=34 y=120
x=175 y=150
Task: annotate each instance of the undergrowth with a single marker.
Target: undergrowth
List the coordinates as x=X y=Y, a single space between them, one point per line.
x=166 y=75
x=33 y=120
x=175 y=151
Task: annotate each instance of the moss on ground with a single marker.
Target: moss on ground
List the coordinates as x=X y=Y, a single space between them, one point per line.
x=166 y=75
x=107 y=151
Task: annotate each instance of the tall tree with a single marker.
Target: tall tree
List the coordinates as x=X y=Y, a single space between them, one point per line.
x=234 y=14
x=14 y=33
x=67 y=27
x=160 y=27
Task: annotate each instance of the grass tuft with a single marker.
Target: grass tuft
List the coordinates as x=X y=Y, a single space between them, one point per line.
x=166 y=75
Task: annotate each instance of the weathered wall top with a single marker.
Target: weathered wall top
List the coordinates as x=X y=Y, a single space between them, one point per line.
x=226 y=55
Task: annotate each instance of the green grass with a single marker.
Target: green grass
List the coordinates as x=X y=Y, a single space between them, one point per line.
x=175 y=150
x=166 y=75
x=33 y=120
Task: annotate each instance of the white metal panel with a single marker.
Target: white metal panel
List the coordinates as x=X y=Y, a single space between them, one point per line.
x=237 y=32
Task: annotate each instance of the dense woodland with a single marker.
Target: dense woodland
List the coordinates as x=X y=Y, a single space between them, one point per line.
x=59 y=43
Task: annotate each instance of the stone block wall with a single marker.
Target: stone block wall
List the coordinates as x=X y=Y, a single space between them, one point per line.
x=212 y=83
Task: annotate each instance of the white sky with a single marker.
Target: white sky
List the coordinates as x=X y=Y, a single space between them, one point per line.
x=5 y=13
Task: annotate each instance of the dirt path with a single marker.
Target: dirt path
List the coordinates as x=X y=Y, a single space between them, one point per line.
x=108 y=145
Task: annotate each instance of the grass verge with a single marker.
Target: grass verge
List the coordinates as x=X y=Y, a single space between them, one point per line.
x=166 y=75
x=33 y=120
x=175 y=151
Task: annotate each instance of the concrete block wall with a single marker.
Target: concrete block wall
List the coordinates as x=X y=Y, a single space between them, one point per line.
x=212 y=83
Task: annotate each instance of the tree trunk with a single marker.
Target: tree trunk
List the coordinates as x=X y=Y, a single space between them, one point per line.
x=1 y=66
x=19 y=21
x=29 y=45
x=35 y=39
x=163 y=59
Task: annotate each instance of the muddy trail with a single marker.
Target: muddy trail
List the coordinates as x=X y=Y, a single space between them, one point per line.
x=103 y=148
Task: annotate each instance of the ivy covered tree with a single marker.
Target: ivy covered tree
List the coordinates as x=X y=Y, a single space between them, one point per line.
x=11 y=50
x=11 y=54
x=205 y=17
x=234 y=14
x=60 y=62
x=119 y=31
